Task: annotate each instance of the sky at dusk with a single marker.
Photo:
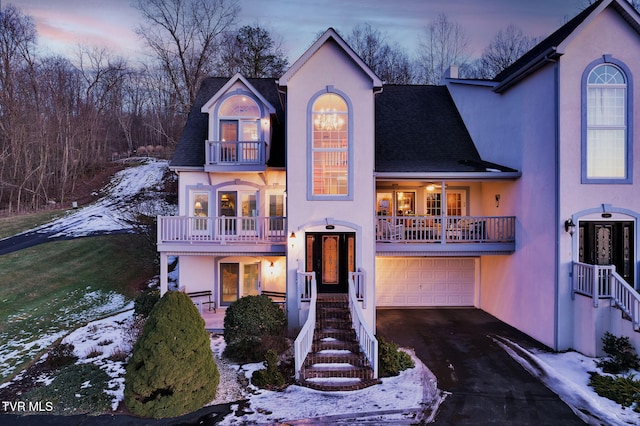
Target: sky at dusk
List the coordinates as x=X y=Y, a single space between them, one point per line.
x=63 y=24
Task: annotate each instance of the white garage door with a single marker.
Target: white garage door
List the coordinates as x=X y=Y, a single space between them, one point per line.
x=411 y=281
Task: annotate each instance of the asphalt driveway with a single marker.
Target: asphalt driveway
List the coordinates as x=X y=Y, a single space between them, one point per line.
x=486 y=385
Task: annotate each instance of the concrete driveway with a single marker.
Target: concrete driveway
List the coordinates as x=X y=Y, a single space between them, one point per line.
x=486 y=385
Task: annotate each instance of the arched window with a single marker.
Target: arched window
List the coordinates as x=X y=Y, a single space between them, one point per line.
x=330 y=146
x=606 y=149
x=239 y=117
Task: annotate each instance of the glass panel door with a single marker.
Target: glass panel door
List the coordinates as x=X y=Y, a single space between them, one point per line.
x=248 y=213
x=230 y=281
x=251 y=279
x=227 y=212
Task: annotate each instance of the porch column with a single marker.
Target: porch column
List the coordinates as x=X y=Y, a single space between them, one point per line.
x=164 y=273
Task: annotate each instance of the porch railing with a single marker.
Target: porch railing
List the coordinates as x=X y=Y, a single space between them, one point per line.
x=306 y=282
x=447 y=229
x=235 y=152
x=221 y=229
x=603 y=282
x=366 y=337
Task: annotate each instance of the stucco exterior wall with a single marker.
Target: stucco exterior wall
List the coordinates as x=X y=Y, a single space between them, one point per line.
x=331 y=67
x=517 y=129
x=607 y=34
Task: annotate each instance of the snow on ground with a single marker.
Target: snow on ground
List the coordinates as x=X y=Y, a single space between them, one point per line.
x=398 y=400
x=110 y=212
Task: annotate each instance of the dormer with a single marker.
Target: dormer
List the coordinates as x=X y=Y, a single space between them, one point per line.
x=239 y=128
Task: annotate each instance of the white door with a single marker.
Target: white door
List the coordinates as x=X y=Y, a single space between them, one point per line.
x=424 y=282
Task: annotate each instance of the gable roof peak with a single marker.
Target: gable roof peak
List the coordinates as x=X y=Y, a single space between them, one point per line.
x=329 y=34
x=552 y=47
x=224 y=89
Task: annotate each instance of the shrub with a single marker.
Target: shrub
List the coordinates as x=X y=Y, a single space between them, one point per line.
x=61 y=354
x=391 y=360
x=623 y=390
x=145 y=301
x=622 y=356
x=270 y=377
x=172 y=370
x=252 y=326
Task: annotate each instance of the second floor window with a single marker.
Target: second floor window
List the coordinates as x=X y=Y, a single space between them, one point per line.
x=330 y=146
x=239 y=118
x=606 y=133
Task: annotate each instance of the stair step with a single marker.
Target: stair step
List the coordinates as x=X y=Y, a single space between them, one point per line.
x=341 y=384
x=341 y=357
x=328 y=371
x=334 y=344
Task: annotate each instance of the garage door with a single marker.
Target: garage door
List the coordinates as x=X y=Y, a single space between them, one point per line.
x=425 y=281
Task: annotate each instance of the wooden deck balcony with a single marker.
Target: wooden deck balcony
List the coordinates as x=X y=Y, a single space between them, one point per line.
x=222 y=229
x=235 y=155
x=473 y=234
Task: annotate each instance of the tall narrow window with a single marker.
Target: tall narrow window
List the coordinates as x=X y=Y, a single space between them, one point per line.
x=330 y=146
x=606 y=149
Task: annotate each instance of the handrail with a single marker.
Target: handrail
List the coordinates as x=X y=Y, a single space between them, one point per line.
x=446 y=229
x=602 y=281
x=360 y=287
x=221 y=229
x=366 y=337
x=304 y=341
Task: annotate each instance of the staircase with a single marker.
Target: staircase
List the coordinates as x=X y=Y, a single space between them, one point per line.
x=335 y=362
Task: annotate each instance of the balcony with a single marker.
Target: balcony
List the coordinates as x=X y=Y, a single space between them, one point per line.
x=257 y=231
x=446 y=235
x=235 y=156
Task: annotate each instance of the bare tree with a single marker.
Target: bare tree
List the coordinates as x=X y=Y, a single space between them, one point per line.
x=184 y=36
x=445 y=43
x=390 y=62
x=504 y=49
x=252 y=52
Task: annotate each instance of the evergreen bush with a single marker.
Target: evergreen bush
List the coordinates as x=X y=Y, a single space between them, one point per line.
x=621 y=355
x=252 y=326
x=145 y=301
x=270 y=377
x=623 y=390
x=392 y=360
x=172 y=370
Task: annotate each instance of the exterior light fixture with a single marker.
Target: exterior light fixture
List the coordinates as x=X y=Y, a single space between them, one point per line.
x=569 y=226
x=293 y=235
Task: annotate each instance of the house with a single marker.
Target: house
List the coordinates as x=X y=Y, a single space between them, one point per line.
x=516 y=195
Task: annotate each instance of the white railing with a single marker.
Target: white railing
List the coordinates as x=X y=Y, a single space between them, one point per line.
x=235 y=152
x=602 y=281
x=306 y=282
x=447 y=229
x=222 y=229
x=359 y=285
x=366 y=337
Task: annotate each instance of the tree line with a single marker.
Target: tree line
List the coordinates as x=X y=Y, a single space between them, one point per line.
x=63 y=117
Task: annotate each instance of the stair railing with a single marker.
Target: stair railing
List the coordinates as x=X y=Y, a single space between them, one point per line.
x=602 y=281
x=366 y=337
x=304 y=341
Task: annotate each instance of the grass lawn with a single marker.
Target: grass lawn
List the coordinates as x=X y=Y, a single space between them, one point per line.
x=50 y=289
x=12 y=225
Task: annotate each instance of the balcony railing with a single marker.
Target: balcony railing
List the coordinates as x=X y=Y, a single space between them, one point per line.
x=448 y=229
x=225 y=153
x=221 y=229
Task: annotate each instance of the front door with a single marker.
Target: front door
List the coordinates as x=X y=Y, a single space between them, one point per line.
x=331 y=256
x=608 y=243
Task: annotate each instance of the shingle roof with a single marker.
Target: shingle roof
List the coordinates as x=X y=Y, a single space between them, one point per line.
x=190 y=149
x=419 y=129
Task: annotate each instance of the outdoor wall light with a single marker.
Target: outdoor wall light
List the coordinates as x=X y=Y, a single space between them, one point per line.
x=569 y=226
x=292 y=236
